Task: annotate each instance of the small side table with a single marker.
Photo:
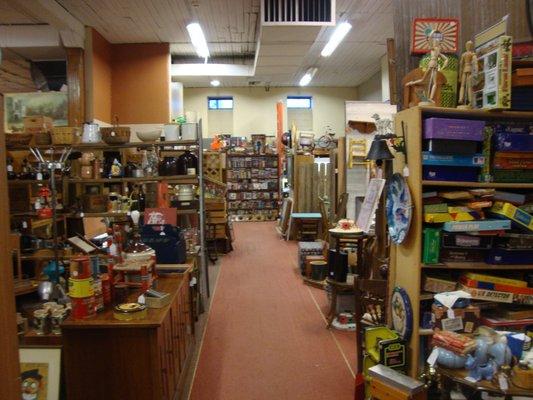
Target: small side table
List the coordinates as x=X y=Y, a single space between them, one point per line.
x=300 y=223
x=359 y=238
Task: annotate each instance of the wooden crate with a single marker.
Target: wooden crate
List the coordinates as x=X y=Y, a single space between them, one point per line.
x=215 y=204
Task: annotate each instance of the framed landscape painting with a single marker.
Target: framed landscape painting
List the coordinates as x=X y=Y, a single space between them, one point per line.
x=20 y=105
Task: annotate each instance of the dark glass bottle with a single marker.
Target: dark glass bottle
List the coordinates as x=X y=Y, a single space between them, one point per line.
x=168 y=166
x=10 y=173
x=187 y=163
x=141 y=201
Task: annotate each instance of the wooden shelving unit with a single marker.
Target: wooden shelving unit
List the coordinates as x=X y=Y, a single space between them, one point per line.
x=108 y=147
x=406 y=259
x=74 y=187
x=496 y=185
x=242 y=206
x=185 y=179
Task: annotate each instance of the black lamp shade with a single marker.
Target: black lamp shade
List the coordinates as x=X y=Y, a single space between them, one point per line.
x=379 y=150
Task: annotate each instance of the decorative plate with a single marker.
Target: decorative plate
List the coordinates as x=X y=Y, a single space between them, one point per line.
x=399 y=208
x=422 y=28
x=402 y=313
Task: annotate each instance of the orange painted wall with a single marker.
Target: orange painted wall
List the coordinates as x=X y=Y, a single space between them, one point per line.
x=101 y=77
x=141 y=83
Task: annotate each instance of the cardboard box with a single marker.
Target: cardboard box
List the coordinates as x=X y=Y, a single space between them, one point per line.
x=38 y=123
x=434 y=284
x=454 y=129
x=460 y=320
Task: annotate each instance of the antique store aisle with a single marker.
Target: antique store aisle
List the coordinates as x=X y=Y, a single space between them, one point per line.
x=266 y=336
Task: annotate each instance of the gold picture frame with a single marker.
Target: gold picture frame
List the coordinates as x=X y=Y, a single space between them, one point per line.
x=40 y=370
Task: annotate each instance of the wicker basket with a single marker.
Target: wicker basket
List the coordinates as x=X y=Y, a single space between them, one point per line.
x=18 y=139
x=65 y=135
x=43 y=138
x=116 y=134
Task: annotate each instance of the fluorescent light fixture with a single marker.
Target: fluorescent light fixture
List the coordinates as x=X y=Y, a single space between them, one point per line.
x=215 y=82
x=340 y=32
x=198 y=39
x=306 y=79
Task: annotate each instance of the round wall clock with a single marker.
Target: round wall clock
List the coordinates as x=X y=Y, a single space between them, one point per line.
x=399 y=208
x=402 y=313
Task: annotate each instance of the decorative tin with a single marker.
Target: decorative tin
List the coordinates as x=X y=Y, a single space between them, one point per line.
x=402 y=313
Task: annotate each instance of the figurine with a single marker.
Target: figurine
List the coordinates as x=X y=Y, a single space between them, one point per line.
x=479 y=371
x=500 y=352
x=467 y=67
x=430 y=74
x=449 y=359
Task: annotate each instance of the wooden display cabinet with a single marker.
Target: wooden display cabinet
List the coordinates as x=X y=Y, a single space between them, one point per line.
x=142 y=359
x=406 y=259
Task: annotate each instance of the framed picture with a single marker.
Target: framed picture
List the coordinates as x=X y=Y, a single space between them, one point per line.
x=19 y=105
x=370 y=204
x=448 y=29
x=40 y=372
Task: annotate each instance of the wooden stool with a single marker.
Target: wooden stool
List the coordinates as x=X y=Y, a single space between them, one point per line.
x=388 y=384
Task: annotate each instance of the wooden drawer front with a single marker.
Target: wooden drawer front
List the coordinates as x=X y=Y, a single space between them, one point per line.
x=175 y=340
x=166 y=352
x=163 y=362
x=186 y=319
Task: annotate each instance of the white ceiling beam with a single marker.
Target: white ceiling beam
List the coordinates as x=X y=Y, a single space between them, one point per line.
x=29 y=36
x=211 y=70
x=71 y=31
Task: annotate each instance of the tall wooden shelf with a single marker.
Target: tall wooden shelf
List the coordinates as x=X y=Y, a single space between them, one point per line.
x=406 y=259
x=241 y=208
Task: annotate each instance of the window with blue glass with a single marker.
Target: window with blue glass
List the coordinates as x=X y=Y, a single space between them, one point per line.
x=220 y=103
x=300 y=102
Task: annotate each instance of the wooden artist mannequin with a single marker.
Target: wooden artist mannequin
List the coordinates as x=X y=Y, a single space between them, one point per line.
x=430 y=75
x=467 y=67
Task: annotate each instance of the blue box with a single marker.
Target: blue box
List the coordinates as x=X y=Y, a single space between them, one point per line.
x=447 y=173
x=498 y=255
x=476 y=160
x=513 y=141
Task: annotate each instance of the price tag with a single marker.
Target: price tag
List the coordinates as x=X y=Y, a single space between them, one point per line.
x=405 y=171
x=432 y=359
x=452 y=324
x=502 y=380
x=450 y=313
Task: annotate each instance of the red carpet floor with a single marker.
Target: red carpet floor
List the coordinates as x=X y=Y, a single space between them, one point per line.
x=266 y=337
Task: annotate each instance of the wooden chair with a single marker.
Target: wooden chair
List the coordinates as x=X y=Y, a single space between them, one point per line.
x=371 y=296
x=326 y=224
x=341 y=206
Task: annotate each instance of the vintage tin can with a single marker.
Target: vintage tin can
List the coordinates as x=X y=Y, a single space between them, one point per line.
x=83 y=308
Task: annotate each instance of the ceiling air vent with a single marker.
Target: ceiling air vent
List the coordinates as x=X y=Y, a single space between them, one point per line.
x=298 y=12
